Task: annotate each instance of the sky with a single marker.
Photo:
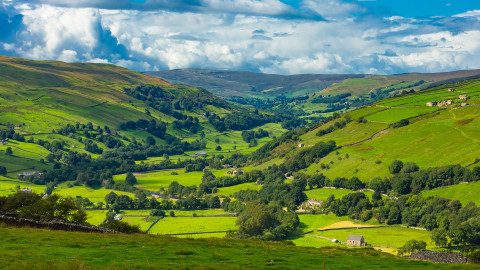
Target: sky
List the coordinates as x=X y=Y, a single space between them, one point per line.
x=269 y=36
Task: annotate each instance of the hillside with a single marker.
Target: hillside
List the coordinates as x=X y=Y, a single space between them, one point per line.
x=224 y=83
x=369 y=142
x=100 y=251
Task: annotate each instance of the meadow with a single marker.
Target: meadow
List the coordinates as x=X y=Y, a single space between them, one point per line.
x=153 y=181
x=321 y=194
x=229 y=191
x=175 y=225
x=465 y=193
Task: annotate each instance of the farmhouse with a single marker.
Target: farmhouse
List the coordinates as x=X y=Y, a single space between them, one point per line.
x=431 y=104
x=445 y=103
x=35 y=174
x=27 y=190
x=2 y=142
x=200 y=154
x=356 y=241
x=463 y=97
x=451 y=90
x=259 y=182
x=464 y=104
x=301 y=145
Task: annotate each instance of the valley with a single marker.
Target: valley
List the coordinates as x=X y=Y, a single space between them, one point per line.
x=168 y=161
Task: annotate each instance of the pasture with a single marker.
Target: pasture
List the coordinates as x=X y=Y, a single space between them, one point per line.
x=321 y=194
x=465 y=193
x=174 y=225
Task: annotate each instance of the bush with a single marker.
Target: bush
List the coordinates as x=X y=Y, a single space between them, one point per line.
x=172 y=213
x=157 y=213
x=121 y=226
x=396 y=166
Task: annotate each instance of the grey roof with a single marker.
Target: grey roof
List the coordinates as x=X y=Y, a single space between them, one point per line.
x=355 y=237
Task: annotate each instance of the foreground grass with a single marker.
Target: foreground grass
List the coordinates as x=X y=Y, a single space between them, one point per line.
x=71 y=250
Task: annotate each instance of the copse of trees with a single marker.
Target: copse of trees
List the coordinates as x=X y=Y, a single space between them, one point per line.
x=265 y=222
x=31 y=205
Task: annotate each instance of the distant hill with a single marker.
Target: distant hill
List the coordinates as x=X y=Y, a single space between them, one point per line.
x=247 y=84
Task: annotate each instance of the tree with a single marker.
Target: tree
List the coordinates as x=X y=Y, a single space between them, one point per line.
x=355 y=184
x=3 y=170
x=9 y=151
x=377 y=196
x=172 y=213
x=49 y=188
x=218 y=148
x=131 y=179
x=439 y=237
x=157 y=213
x=396 y=166
x=111 y=197
x=150 y=141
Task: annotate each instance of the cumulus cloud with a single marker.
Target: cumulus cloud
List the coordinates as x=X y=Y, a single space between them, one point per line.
x=239 y=35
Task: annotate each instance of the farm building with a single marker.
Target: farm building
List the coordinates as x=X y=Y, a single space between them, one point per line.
x=35 y=174
x=431 y=104
x=27 y=190
x=356 y=241
x=445 y=103
x=464 y=104
x=2 y=142
x=259 y=182
x=301 y=145
x=451 y=90
x=463 y=97
x=200 y=154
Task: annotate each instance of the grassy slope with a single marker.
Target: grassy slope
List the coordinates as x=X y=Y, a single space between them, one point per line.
x=465 y=193
x=448 y=136
x=99 y=251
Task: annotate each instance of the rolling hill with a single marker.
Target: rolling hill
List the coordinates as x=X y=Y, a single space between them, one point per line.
x=371 y=138
x=224 y=83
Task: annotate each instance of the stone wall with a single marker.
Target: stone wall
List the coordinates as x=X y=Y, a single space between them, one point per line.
x=440 y=257
x=13 y=220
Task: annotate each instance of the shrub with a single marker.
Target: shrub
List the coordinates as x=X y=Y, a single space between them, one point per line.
x=157 y=213
x=121 y=226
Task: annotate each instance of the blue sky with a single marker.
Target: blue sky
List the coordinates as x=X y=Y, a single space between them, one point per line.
x=271 y=36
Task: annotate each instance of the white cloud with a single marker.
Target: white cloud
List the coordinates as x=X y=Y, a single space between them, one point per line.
x=159 y=39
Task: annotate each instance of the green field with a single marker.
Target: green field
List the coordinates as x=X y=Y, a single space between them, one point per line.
x=174 y=225
x=465 y=193
x=153 y=181
x=322 y=194
x=8 y=186
x=312 y=222
x=96 y=251
x=447 y=137
x=229 y=191
x=93 y=194
x=388 y=236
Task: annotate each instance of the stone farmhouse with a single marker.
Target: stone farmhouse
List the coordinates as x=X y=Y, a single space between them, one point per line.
x=301 y=145
x=356 y=241
x=465 y=97
x=200 y=154
x=431 y=104
x=35 y=174
x=451 y=90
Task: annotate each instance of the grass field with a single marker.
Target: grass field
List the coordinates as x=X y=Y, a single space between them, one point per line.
x=387 y=236
x=61 y=250
x=322 y=194
x=312 y=222
x=7 y=186
x=93 y=194
x=465 y=193
x=96 y=217
x=153 y=181
x=229 y=191
x=177 y=212
x=173 y=225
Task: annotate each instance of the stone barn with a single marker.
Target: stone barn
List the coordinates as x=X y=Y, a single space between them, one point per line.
x=356 y=241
